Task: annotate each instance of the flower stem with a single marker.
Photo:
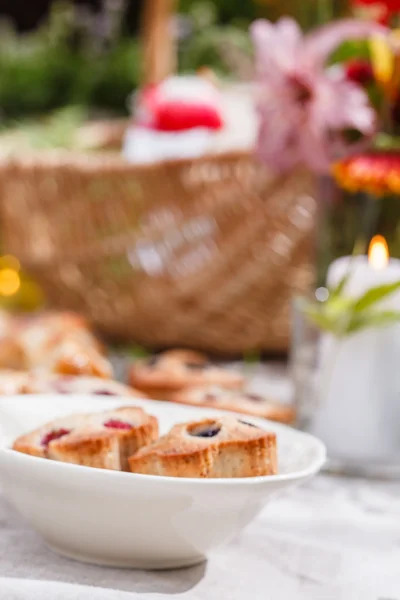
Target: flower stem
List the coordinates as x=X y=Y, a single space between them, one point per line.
x=368 y=221
x=324 y=11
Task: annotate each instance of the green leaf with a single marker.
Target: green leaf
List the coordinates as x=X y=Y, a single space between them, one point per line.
x=385 y=141
x=349 y=50
x=375 y=295
x=321 y=320
x=328 y=316
x=251 y=357
x=137 y=352
x=378 y=319
x=337 y=291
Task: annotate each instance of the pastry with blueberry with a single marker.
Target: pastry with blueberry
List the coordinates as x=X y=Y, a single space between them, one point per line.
x=163 y=375
x=104 y=440
x=220 y=447
x=69 y=384
x=239 y=401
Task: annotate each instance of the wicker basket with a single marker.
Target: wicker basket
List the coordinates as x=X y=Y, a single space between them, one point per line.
x=204 y=253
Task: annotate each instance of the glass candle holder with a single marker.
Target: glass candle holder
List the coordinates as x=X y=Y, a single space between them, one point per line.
x=347 y=393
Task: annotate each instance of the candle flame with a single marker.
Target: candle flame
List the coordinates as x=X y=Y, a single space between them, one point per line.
x=378 y=252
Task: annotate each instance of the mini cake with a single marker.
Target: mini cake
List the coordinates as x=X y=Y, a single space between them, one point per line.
x=237 y=401
x=220 y=447
x=165 y=374
x=75 y=357
x=104 y=440
x=63 y=384
x=54 y=342
x=62 y=343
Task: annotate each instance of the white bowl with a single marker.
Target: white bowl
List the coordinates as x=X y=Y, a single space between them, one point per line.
x=130 y=520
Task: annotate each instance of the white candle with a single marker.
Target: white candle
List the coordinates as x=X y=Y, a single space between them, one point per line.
x=363 y=275
x=358 y=415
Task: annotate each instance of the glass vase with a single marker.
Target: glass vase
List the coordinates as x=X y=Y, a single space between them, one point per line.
x=347 y=393
x=347 y=223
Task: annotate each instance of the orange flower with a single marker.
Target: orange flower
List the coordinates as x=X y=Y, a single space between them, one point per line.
x=375 y=173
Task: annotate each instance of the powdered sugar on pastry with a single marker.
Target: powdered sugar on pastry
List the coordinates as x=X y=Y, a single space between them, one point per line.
x=237 y=401
x=104 y=440
x=220 y=447
x=164 y=374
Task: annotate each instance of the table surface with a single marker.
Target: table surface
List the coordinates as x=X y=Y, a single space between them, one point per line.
x=331 y=539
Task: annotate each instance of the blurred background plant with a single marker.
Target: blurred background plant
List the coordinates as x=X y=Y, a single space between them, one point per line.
x=83 y=58
x=75 y=57
x=80 y=55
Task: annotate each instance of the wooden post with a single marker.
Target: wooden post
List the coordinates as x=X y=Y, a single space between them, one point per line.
x=158 y=42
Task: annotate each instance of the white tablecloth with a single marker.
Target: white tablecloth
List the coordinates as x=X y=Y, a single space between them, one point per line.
x=333 y=539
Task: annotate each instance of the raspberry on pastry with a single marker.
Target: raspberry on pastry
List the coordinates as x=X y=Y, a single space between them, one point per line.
x=219 y=447
x=38 y=383
x=104 y=440
x=236 y=401
x=167 y=373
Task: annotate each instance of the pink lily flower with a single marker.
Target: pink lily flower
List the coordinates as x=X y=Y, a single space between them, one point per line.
x=305 y=108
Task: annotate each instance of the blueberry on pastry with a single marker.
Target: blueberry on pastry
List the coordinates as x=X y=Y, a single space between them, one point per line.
x=220 y=447
x=236 y=401
x=165 y=374
x=104 y=440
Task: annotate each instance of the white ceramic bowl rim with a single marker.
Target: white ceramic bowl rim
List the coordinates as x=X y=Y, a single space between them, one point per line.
x=314 y=465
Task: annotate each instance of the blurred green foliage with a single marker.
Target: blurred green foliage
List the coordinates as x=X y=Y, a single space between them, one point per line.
x=307 y=12
x=64 y=63
x=207 y=42
x=87 y=62
x=57 y=129
x=86 y=59
x=230 y=11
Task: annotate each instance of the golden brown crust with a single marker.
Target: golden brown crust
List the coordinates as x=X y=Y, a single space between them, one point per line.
x=164 y=374
x=26 y=445
x=98 y=449
x=233 y=449
x=12 y=355
x=73 y=357
x=155 y=393
x=104 y=440
x=195 y=464
x=236 y=401
x=145 y=434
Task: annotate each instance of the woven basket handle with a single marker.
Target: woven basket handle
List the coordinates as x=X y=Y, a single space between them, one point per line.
x=158 y=41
